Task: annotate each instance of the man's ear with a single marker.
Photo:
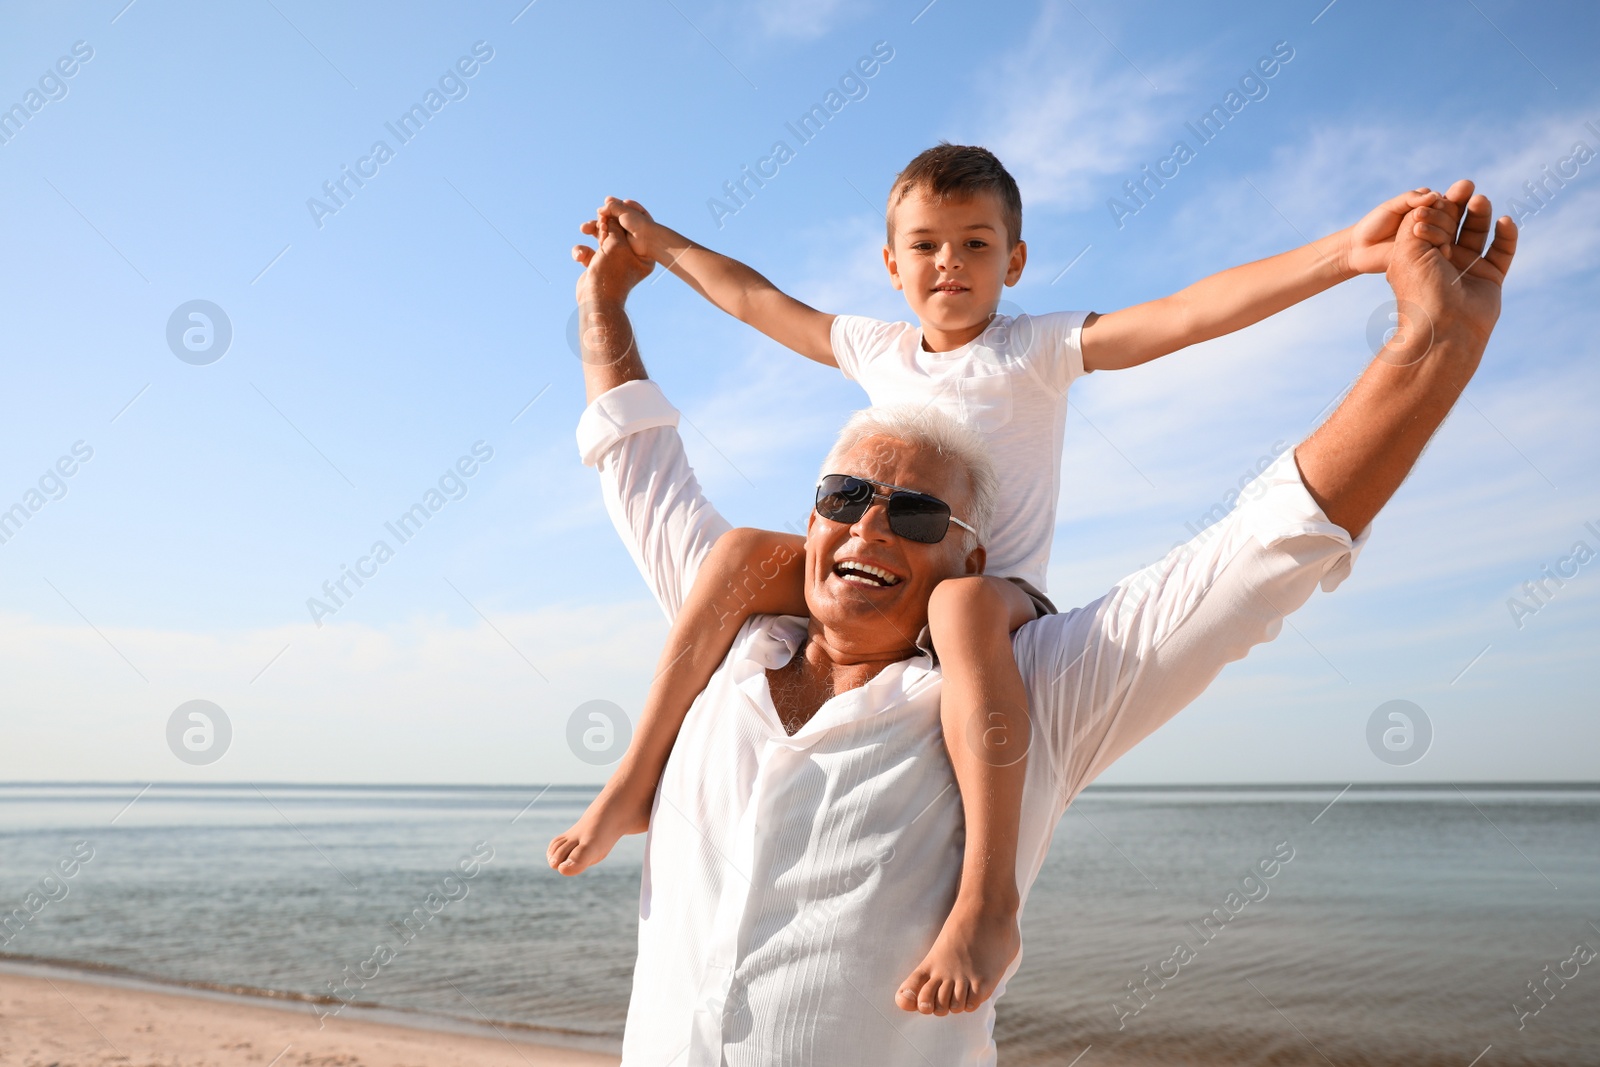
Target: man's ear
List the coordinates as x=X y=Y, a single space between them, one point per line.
x=976 y=559
x=1019 y=259
x=894 y=268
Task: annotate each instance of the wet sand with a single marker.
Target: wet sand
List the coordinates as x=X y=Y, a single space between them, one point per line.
x=53 y=1020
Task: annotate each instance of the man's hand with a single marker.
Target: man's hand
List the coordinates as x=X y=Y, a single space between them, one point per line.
x=1440 y=264
x=611 y=270
x=1371 y=241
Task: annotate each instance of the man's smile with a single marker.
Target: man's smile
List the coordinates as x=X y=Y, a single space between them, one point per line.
x=859 y=572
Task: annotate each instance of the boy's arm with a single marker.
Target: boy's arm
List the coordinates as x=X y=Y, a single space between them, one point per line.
x=727 y=283
x=1242 y=296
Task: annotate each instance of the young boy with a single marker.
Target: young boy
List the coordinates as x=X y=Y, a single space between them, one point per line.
x=954 y=242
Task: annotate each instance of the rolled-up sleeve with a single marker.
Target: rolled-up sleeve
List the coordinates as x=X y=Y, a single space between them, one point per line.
x=1103 y=677
x=630 y=436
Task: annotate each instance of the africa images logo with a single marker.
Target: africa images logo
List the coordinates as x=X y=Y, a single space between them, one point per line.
x=199 y=332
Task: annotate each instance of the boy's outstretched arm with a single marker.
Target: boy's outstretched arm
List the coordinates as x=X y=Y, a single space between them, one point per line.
x=727 y=283
x=1236 y=298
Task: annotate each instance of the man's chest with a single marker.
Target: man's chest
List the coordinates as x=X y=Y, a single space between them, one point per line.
x=796 y=695
x=776 y=862
x=769 y=764
x=792 y=877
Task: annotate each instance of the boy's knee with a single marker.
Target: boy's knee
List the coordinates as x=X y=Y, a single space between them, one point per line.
x=748 y=560
x=745 y=544
x=973 y=597
x=741 y=540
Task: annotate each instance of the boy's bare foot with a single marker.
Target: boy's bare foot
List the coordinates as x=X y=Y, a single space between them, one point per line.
x=964 y=965
x=610 y=815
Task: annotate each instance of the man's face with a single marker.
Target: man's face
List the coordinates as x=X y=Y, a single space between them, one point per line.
x=952 y=258
x=878 y=614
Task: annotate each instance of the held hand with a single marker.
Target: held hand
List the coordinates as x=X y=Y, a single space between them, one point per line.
x=1372 y=239
x=636 y=224
x=1440 y=264
x=611 y=271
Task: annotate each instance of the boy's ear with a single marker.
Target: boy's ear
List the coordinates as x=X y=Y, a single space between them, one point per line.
x=894 y=268
x=1019 y=259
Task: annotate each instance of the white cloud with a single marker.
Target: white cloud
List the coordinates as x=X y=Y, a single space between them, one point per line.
x=1377 y=160
x=1477 y=518
x=1241 y=392
x=843 y=268
x=802 y=20
x=771 y=418
x=1563 y=239
x=1071 y=110
x=737 y=421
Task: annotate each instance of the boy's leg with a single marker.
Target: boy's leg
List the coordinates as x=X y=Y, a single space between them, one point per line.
x=984 y=710
x=748 y=572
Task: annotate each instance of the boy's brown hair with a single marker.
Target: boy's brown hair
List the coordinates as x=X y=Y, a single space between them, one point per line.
x=955 y=172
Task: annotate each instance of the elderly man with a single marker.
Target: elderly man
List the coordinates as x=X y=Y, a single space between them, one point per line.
x=806 y=840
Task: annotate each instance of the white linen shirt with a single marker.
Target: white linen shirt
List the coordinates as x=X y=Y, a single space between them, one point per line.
x=792 y=882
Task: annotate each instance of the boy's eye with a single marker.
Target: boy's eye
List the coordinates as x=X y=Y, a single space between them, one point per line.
x=922 y=246
x=977 y=243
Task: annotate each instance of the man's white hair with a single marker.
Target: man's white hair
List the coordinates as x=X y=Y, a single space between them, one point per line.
x=928 y=428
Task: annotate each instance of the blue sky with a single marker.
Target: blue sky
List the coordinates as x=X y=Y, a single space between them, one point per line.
x=374 y=346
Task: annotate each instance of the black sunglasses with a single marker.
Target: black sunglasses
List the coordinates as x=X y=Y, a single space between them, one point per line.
x=912 y=515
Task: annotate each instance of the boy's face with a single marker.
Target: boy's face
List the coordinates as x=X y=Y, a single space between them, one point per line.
x=952 y=258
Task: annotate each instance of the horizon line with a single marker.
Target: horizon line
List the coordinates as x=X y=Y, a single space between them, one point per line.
x=1106 y=787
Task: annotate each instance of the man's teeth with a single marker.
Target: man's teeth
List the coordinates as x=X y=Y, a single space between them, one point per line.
x=866 y=574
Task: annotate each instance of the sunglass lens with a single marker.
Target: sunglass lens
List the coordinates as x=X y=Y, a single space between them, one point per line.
x=842 y=498
x=917 y=517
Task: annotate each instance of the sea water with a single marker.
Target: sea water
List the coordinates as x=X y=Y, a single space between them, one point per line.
x=1415 y=925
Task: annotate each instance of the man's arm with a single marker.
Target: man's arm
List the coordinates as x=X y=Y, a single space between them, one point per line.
x=629 y=433
x=1103 y=677
x=1242 y=296
x=727 y=283
x=606 y=343
x=1447 y=288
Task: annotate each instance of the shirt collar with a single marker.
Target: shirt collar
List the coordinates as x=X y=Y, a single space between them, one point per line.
x=771 y=641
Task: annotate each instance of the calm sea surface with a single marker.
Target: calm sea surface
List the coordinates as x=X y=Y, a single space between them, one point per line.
x=1404 y=929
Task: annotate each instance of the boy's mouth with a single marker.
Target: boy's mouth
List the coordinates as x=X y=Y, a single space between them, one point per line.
x=857 y=573
x=950 y=288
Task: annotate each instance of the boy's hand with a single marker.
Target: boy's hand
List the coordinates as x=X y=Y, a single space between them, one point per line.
x=636 y=225
x=1236 y=298
x=1371 y=241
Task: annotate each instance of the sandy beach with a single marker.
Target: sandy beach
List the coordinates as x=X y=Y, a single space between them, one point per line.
x=56 y=1021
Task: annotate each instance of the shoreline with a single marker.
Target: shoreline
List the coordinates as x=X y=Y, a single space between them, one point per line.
x=62 y=1012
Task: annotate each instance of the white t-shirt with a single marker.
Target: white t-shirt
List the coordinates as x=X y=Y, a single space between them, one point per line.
x=1010 y=384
